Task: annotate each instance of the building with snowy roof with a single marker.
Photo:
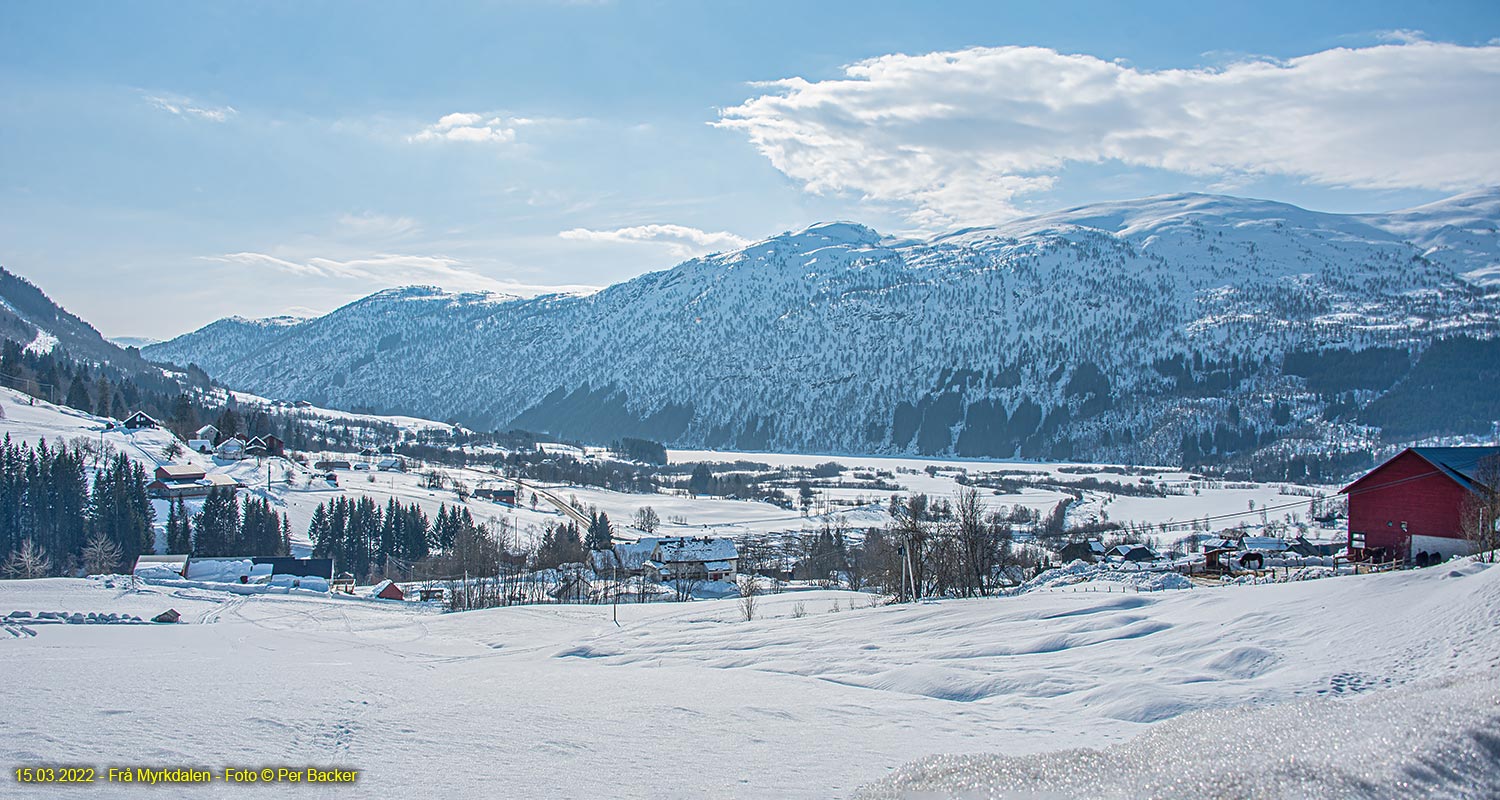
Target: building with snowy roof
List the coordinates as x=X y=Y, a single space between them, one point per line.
x=1132 y=552
x=692 y=558
x=1090 y=550
x=140 y=419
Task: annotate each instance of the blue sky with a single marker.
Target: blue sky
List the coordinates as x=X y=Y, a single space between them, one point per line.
x=163 y=165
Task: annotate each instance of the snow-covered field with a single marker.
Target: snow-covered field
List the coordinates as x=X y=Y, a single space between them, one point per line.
x=1395 y=671
x=296 y=490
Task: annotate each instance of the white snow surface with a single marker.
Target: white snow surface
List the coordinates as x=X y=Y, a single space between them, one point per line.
x=687 y=700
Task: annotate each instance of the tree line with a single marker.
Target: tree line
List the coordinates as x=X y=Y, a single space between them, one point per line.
x=225 y=527
x=52 y=515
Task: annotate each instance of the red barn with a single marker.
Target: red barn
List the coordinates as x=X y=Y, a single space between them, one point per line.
x=1412 y=504
x=388 y=590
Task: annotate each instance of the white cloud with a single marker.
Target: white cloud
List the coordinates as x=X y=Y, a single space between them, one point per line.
x=469 y=127
x=372 y=225
x=681 y=240
x=385 y=270
x=958 y=136
x=187 y=109
x=1401 y=36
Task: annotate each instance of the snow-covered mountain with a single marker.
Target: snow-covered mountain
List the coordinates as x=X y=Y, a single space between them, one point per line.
x=30 y=317
x=219 y=344
x=1115 y=330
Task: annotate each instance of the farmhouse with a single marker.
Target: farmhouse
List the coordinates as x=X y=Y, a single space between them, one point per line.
x=178 y=472
x=231 y=450
x=1132 y=552
x=186 y=480
x=208 y=432
x=1091 y=550
x=683 y=557
x=140 y=419
x=268 y=445
x=391 y=464
x=496 y=493
x=1411 y=506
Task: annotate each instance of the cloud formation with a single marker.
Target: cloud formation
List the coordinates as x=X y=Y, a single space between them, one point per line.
x=370 y=224
x=680 y=240
x=187 y=109
x=958 y=136
x=385 y=270
x=469 y=127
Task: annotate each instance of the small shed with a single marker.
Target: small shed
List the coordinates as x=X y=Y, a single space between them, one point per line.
x=388 y=590
x=343 y=583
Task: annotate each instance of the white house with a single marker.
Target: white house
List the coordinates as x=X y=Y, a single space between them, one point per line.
x=208 y=432
x=231 y=449
x=683 y=557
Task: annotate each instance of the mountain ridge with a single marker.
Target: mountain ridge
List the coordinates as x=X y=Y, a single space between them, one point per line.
x=1039 y=337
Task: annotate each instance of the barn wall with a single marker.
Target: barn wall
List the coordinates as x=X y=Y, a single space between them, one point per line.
x=1429 y=505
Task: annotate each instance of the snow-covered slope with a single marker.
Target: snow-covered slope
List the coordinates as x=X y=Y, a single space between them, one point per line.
x=1044 y=337
x=687 y=700
x=219 y=344
x=30 y=317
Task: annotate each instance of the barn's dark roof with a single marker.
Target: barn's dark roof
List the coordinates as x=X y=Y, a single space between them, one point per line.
x=298 y=567
x=1460 y=464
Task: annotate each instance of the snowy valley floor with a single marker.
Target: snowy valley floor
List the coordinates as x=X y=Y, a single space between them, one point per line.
x=686 y=700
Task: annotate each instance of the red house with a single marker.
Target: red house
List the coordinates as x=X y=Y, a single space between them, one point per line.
x=1412 y=504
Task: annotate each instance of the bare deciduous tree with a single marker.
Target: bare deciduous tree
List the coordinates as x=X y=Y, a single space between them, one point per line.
x=102 y=556
x=646 y=519
x=30 y=561
x=749 y=588
x=1480 y=516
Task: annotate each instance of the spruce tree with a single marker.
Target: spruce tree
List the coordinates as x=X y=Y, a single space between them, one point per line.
x=179 y=528
x=600 y=536
x=78 y=396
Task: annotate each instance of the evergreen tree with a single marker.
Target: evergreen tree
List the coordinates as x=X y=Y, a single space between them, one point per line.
x=184 y=418
x=228 y=424
x=218 y=524
x=78 y=396
x=179 y=528
x=320 y=532
x=120 y=510
x=600 y=536
x=105 y=393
